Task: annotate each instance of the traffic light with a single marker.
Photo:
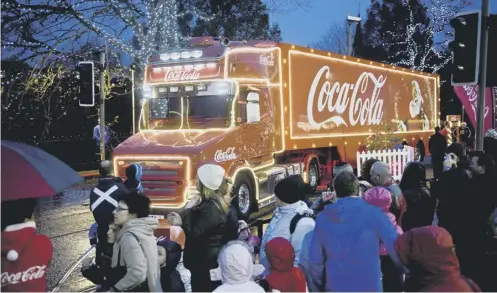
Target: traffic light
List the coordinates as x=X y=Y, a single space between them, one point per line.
x=492 y=51
x=86 y=94
x=465 y=48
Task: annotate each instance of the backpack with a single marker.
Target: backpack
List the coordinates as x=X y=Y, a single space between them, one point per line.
x=295 y=220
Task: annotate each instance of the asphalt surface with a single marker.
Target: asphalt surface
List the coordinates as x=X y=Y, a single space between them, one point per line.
x=66 y=221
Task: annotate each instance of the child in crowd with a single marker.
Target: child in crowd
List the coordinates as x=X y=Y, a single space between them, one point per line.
x=169 y=258
x=245 y=235
x=133 y=177
x=178 y=235
x=25 y=253
x=392 y=278
x=100 y=274
x=283 y=276
x=236 y=269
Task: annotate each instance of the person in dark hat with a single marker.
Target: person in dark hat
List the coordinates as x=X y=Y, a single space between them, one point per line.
x=292 y=219
x=104 y=198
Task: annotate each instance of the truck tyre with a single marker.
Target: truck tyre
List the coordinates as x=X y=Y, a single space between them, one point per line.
x=243 y=196
x=313 y=175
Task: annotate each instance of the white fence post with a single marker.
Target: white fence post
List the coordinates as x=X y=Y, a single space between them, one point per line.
x=397 y=159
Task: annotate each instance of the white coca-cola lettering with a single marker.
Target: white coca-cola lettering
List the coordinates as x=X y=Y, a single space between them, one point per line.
x=267 y=60
x=182 y=75
x=227 y=155
x=472 y=93
x=32 y=273
x=335 y=97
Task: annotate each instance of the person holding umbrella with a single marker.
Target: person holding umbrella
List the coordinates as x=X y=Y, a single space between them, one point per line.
x=25 y=253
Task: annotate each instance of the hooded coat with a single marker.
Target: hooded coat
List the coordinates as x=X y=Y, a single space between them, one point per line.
x=280 y=227
x=428 y=253
x=381 y=198
x=237 y=269
x=284 y=277
x=133 y=177
x=345 y=245
x=25 y=258
x=103 y=201
x=136 y=249
x=170 y=278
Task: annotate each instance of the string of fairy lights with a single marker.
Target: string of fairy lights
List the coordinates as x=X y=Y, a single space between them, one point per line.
x=157 y=18
x=440 y=13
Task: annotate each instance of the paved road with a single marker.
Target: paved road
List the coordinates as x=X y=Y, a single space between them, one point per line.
x=66 y=221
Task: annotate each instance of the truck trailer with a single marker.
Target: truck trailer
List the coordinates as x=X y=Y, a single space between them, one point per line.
x=265 y=111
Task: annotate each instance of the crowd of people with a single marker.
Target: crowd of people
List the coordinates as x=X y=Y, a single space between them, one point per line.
x=370 y=234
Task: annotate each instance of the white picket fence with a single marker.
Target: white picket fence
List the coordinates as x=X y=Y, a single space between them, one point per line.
x=397 y=159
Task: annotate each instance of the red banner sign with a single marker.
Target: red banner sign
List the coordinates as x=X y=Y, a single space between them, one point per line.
x=468 y=95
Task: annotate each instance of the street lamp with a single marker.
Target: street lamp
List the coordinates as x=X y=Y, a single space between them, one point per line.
x=350 y=21
x=133 y=99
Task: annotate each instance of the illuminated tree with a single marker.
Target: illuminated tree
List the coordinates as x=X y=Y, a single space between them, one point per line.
x=405 y=32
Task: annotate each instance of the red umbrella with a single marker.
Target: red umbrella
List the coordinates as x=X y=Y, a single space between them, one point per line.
x=29 y=172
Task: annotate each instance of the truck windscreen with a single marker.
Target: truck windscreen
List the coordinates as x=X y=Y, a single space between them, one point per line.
x=200 y=112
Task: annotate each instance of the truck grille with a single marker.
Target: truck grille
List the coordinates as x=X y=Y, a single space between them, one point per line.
x=163 y=181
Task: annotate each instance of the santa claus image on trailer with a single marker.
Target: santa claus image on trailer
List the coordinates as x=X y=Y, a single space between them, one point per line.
x=416 y=106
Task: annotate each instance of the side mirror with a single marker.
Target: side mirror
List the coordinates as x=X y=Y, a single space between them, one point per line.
x=253 y=108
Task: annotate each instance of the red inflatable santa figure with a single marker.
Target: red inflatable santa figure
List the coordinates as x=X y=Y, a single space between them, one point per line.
x=25 y=254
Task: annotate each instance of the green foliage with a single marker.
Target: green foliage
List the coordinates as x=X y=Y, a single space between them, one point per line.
x=236 y=20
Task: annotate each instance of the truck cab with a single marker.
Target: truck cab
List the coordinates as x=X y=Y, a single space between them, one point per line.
x=212 y=102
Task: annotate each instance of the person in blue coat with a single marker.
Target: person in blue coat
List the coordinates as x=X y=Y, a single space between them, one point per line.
x=346 y=240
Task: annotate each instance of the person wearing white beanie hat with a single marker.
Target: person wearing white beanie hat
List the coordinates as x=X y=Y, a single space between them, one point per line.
x=210 y=176
x=207 y=226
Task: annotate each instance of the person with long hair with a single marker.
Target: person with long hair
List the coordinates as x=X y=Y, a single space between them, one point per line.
x=365 y=178
x=207 y=226
x=418 y=197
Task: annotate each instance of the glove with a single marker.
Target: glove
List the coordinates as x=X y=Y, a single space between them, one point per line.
x=174 y=219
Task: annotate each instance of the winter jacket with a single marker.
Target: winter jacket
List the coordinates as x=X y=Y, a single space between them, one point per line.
x=134 y=176
x=205 y=228
x=381 y=198
x=170 y=278
x=437 y=145
x=280 y=227
x=237 y=269
x=429 y=254
x=25 y=258
x=284 y=277
x=421 y=208
x=103 y=201
x=345 y=244
x=304 y=256
x=136 y=249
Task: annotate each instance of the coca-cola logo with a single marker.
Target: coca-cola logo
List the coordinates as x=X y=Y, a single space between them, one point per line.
x=472 y=92
x=337 y=97
x=227 y=155
x=267 y=60
x=182 y=75
x=32 y=273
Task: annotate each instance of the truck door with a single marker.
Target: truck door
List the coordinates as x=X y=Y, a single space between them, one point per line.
x=256 y=136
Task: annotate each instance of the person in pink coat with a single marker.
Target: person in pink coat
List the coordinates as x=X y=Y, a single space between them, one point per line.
x=392 y=279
